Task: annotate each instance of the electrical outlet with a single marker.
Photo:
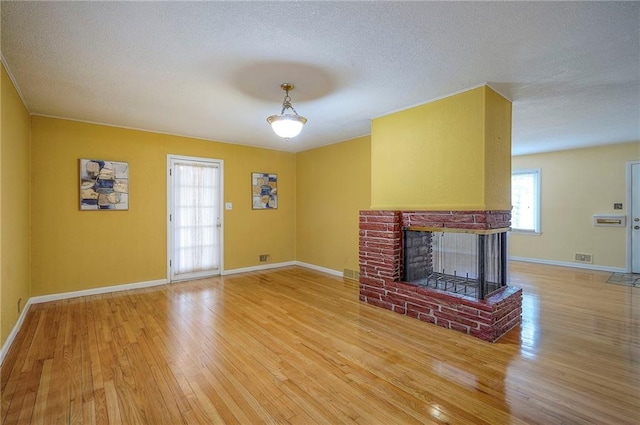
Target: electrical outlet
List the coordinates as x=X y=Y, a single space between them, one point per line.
x=264 y=257
x=617 y=206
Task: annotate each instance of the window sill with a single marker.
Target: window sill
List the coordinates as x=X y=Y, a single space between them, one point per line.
x=526 y=232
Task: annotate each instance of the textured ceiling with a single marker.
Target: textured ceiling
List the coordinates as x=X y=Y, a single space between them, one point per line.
x=213 y=69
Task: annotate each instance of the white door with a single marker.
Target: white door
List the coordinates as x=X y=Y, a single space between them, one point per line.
x=635 y=217
x=195 y=217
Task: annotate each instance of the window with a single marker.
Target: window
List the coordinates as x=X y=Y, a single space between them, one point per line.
x=525 y=197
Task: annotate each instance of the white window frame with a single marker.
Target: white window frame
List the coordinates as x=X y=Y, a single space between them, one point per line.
x=536 y=211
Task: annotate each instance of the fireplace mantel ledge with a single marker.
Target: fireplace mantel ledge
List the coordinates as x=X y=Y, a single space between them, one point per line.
x=457 y=230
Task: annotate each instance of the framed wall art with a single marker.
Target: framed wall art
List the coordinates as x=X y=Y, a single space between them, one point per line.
x=104 y=185
x=264 y=191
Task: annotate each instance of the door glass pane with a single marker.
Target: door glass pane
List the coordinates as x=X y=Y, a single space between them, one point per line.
x=196 y=188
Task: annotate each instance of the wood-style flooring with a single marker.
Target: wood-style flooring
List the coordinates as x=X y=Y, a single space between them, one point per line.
x=295 y=346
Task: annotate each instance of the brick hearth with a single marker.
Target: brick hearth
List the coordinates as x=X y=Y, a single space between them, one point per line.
x=381 y=271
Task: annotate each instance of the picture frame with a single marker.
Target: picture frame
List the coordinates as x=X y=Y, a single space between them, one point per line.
x=264 y=191
x=104 y=185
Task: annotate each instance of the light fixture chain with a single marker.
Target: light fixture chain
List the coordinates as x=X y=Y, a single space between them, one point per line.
x=286 y=103
x=287 y=125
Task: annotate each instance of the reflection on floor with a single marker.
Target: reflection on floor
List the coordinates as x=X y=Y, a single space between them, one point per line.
x=627 y=279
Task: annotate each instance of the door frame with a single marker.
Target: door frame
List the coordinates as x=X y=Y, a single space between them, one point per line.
x=220 y=163
x=629 y=216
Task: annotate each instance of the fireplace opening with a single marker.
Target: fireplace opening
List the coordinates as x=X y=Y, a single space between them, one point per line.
x=461 y=261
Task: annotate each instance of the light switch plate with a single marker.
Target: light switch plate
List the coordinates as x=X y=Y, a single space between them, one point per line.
x=228 y=206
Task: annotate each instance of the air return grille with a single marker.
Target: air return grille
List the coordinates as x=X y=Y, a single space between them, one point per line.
x=582 y=257
x=351 y=274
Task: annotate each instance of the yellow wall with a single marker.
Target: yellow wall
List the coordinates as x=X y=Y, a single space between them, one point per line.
x=497 y=178
x=15 y=178
x=575 y=185
x=333 y=184
x=435 y=156
x=75 y=250
x=2 y=83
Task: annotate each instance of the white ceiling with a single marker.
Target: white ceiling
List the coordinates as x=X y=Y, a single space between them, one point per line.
x=213 y=70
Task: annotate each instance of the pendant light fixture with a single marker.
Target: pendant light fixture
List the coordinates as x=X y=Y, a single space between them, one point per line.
x=287 y=125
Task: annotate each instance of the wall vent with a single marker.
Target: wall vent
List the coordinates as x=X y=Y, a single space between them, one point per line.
x=582 y=257
x=351 y=274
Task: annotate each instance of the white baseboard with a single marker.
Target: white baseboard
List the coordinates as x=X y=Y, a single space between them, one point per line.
x=570 y=264
x=14 y=332
x=96 y=291
x=285 y=264
x=319 y=268
x=258 y=268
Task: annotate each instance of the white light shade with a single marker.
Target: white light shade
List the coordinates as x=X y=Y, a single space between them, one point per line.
x=287 y=125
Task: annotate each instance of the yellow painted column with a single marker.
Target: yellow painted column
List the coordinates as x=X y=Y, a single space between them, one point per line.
x=450 y=154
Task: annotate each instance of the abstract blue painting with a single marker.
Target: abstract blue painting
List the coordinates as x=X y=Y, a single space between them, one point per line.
x=264 y=190
x=104 y=185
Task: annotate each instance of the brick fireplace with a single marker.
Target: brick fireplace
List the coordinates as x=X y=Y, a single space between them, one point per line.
x=484 y=314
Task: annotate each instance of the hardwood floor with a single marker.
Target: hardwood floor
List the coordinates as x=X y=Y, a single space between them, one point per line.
x=294 y=346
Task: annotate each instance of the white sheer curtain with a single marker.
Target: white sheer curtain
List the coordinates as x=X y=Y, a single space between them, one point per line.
x=195 y=220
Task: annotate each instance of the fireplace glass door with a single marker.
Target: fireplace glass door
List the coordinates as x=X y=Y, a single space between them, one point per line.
x=471 y=264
